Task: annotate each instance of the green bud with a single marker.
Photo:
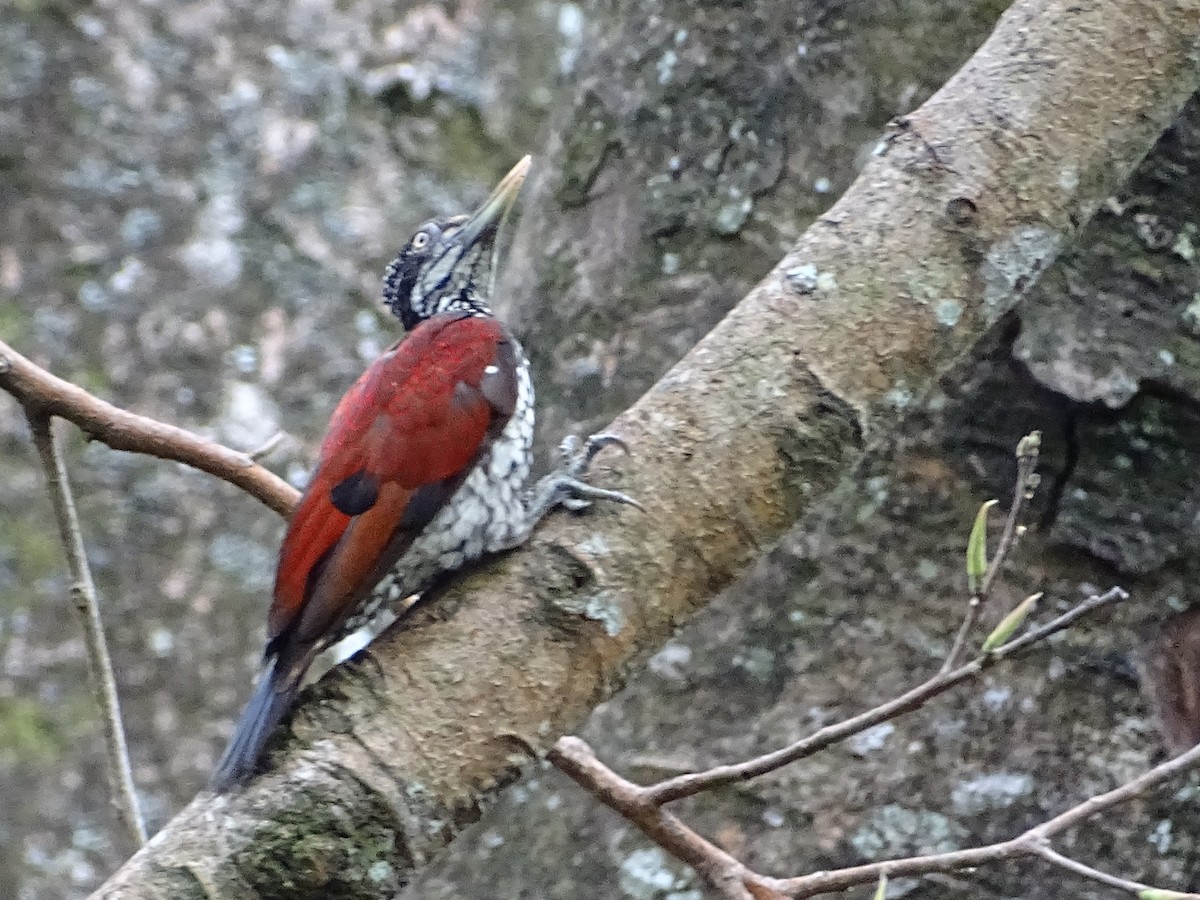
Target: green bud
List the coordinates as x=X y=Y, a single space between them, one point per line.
x=1010 y=623
x=977 y=547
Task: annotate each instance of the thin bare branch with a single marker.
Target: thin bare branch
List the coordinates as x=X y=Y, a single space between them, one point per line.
x=83 y=590
x=1026 y=483
x=1031 y=843
x=1066 y=620
x=269 y=446
x=1074 y=865
x=643 y=807
x=728 y=876
x=1077 y=815
x=42 y=394
x=687 y=785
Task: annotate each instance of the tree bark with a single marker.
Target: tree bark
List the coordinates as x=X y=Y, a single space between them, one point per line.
x=960 y=209
x=696 y=142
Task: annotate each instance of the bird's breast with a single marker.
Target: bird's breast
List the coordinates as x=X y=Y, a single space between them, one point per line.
x=482 y=512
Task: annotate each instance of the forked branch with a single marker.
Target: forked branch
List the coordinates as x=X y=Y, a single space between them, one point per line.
x=42 y=393
x=645 y=806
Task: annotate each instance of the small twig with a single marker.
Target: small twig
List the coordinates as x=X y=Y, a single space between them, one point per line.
x=1074 y=865
x=83 y=589
x=733 y=879
x=268 y=446
x=974 y=608
x=644 y=806
x=1077 y=815
x=686 y=785
x=42 y=394
x=1066 y=620
x=1031 y=843
x=1026 y=483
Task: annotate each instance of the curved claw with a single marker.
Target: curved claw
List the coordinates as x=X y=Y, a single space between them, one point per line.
x=577 y=458
x=583 y=490
x=598 y=442
x=578 y=495
x=569 y=489
x=618 y=497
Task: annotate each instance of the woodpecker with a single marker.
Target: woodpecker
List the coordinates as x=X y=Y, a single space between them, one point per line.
x=424 y=467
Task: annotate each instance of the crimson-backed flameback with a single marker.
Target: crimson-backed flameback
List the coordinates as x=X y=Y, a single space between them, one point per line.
x=424 y=466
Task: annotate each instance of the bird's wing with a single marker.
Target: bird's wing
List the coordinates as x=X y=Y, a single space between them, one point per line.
x=398 y=446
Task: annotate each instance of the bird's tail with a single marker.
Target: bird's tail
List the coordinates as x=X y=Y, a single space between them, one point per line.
x=273 y=696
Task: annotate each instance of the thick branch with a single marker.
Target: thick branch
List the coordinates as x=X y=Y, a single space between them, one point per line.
x=949 y=226
x=44 y=394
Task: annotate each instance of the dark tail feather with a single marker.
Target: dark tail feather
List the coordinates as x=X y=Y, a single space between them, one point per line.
x=272 y=698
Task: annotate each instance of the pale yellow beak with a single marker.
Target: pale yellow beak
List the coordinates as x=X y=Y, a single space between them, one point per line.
x=491 y=215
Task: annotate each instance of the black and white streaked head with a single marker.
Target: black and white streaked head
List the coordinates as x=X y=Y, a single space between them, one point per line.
x=450 y=263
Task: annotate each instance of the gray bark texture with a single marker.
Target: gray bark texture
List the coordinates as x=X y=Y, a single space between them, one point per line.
x=957 y=213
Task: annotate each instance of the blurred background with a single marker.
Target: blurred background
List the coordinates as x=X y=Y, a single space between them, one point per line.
x=197 y=200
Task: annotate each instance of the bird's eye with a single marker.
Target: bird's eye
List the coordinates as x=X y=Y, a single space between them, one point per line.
x=426 y=235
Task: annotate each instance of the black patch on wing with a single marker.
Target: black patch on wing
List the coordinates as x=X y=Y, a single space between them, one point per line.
x=465 y=395
x=499 y=381
x=426 y=501
x=355 y=494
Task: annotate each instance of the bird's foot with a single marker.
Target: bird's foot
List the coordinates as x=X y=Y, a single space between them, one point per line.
x=576 y=455
x=567 y=484
x=565 y=487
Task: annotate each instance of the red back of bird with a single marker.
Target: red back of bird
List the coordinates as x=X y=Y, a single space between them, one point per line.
x=410 y=427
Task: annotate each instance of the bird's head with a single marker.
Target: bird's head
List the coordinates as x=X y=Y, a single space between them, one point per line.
x=450 y=263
